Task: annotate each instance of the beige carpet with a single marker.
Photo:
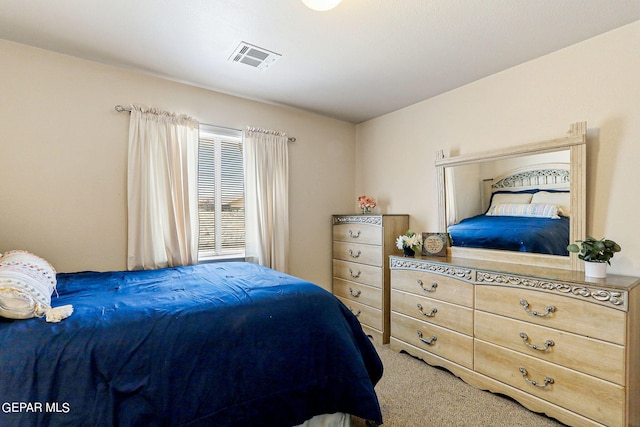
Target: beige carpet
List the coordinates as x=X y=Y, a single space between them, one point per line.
x=415 y=394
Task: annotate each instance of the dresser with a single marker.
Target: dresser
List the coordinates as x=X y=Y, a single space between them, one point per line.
x=362 y=245
x=553 y=340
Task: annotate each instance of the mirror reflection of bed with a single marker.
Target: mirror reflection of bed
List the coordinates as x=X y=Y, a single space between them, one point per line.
x=554 y=169
x=524 y=209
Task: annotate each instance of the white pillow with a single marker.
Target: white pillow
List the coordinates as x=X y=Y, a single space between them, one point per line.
x=26 y=284
x=538 y=210
x=500 y=198
x=561 y=199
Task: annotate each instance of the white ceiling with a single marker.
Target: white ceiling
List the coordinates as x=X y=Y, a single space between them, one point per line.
x=358 y=61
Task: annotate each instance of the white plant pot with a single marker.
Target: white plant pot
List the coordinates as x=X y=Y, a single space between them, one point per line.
x=596 y=270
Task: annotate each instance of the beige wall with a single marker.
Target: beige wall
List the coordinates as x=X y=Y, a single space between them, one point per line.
x=597 y=81
x=63 y=153
x=63 y=148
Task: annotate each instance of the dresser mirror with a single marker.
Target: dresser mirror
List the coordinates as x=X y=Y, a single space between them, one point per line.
x=490 y=202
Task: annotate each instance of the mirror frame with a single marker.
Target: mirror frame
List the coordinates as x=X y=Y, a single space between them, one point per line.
x=575 y=142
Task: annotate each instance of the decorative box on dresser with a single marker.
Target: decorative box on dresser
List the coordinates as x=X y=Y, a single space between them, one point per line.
x=553 y=340
x=362 y=245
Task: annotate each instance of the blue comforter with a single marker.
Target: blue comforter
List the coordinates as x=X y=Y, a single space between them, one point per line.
x=231 y=344
x=513 y=233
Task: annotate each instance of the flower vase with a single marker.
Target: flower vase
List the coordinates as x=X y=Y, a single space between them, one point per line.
x=366 y=210
x=409 y=253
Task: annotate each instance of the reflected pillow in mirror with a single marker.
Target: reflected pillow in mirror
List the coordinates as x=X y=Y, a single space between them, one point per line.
x=561 y=199
x=538 y=210
x=508 y=197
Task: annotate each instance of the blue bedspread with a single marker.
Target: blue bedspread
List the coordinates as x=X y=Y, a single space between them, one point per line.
x=513 y=233
x=230 y=344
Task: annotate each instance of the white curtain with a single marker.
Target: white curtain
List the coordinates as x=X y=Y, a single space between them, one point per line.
x=162 y=189
x=450 y=197
x=267 y=198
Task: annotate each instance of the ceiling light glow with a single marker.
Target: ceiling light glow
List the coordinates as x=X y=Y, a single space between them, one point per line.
x=321 y=5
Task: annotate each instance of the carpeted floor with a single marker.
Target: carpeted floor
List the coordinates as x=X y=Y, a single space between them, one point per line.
x=415 y=394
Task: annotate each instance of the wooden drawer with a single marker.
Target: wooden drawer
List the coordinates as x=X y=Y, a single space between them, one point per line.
x=355 y=252
x=569 y=314
x=360 y=273
x=358 y=233
x=441 y=313
x=366 y=315
x=444 y=342
x=364 y=294
x=592 y=397
x=594 y=357
x=433 y=285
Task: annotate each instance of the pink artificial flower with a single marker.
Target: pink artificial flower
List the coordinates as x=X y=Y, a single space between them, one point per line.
x=366 y=202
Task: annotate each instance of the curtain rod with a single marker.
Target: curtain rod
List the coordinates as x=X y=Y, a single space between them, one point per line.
x=121 y=109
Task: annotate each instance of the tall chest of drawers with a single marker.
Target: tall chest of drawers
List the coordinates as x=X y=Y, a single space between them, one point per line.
x=361 y=248
x=554 y=341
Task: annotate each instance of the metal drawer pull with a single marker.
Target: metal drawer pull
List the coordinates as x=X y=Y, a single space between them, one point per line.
x=430 y=314
x=547 y=380
x=354 y=255
x=355 y=236
x=429 y=341
x=433 y=287
x=547 y=343
x=355 y=276
x=355 y=314
x=355 y=294
x=549 y=309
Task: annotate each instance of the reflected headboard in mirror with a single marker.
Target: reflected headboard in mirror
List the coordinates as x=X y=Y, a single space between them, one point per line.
x=535 y=186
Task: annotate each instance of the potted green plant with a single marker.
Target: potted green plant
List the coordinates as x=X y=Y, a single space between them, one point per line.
x=596 y=255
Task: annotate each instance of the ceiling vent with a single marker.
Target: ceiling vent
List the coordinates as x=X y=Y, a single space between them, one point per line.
x=254 y=56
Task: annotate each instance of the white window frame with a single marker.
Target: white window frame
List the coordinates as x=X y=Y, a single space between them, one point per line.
x=219 y=135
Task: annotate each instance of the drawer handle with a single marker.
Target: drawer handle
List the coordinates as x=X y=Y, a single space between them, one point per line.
x=355 y=294
x=548 y=310
x=430 y=314
x=355 y=276
x=355 y=314
x=432 y=288
x=429 y=341
x=547 y=343
x=354 y=255
x=547 y=380
x=354 y=235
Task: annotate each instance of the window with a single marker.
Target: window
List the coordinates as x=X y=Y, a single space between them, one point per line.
x=220 y=193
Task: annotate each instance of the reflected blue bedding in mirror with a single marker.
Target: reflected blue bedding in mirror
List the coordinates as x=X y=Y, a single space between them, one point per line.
x=513 y=233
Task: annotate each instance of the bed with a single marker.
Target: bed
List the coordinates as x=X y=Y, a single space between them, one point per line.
x=221 y=344
x=528 y=211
